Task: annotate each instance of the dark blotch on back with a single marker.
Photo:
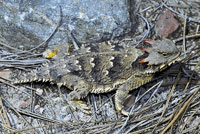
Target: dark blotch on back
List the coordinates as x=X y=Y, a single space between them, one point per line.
x=97 y=70
x=55 y=75
x=116 y=69
x=118 y=47
x=82 y=72
x=94 y=48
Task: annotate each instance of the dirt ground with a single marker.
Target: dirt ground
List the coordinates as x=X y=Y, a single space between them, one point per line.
x=168 y=104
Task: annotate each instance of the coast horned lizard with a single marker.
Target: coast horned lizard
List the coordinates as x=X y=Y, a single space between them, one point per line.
x=104 y=67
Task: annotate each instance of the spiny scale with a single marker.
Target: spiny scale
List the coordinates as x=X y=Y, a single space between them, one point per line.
x=36 y=75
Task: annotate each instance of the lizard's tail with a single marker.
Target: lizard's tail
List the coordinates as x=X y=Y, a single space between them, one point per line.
x=35 y=75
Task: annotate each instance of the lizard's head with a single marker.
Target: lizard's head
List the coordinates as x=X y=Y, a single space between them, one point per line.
x=162 y=54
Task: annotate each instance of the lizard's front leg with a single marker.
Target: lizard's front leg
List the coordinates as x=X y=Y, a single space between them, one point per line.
x=74 y=100
x=81 y=89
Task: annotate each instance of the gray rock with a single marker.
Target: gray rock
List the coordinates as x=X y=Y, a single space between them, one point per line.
x=27 y=23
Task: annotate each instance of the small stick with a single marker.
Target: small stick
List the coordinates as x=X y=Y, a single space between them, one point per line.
x=12 y=48
x=185 y=106
x=187 y=37
x=189 y=18
x=197 y=30
x=184 y=29
x=52 y=34
x=167 y=102
x=180 y=112
x=7 y=122
x=148 y=28
x=20 y=116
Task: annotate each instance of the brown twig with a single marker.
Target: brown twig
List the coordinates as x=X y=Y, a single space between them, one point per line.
x=184 y=30
x=168 y=99
x=33 y=130
x=6 y=121
x=184 y=106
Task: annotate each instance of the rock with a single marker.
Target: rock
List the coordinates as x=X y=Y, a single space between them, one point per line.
x=30 y=22
x=166 y=24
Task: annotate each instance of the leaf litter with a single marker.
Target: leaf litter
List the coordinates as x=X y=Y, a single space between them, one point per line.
x=169 y=104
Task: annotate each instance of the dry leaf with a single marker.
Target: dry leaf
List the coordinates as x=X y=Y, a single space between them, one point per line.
x=5 y=73
x=166 y=24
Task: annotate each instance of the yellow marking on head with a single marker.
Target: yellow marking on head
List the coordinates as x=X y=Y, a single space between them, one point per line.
x=77 y=101
x=53 y=53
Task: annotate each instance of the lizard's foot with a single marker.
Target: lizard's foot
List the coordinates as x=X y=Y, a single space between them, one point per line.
x=78 y=104
x=74 y=101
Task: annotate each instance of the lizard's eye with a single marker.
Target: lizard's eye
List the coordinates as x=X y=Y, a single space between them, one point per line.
x=164 y=54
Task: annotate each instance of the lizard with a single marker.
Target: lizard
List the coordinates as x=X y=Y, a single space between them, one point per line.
x=105 y=67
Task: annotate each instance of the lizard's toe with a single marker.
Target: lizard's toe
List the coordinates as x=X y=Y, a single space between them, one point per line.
x=74 y=101
x=120 y=98
x=121 y=108
x=78 y=104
